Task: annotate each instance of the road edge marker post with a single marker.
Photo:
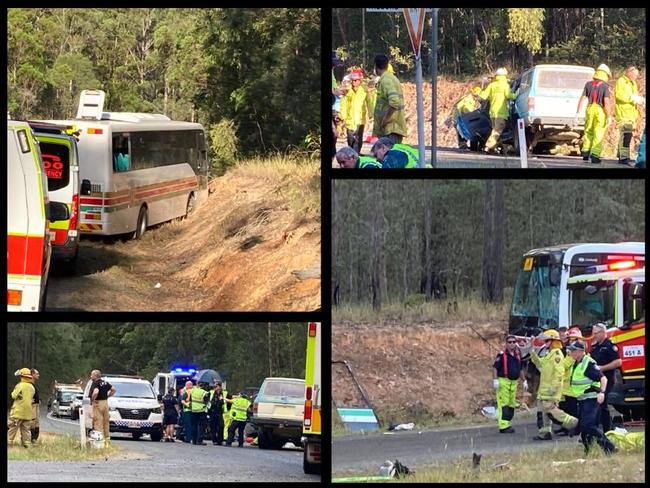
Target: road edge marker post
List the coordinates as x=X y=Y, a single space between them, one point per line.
x=82 y=427
x=415 y=23
x=523 y=149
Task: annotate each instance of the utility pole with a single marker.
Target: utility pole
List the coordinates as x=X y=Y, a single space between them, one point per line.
x=434 y=78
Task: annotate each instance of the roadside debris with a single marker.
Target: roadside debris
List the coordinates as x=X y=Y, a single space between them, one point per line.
x=561 y=463
x=394 y=470
x=408 y=426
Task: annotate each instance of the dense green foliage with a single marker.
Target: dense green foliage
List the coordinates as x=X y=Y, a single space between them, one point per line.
x=397 y=218
x=243 y=352
x=258 y=69
x=472 y=41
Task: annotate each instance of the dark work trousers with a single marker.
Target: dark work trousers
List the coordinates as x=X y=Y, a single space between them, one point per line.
x=605 y=417
x=198 y=422
x=239 y=425
x=462 y=142
x=187 y=426
x=216 y=427
x=355 y=139
x=589 y=415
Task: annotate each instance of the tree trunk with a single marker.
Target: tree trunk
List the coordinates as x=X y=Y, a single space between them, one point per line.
x=378 y=278
x=493 y=242
x=428 y=256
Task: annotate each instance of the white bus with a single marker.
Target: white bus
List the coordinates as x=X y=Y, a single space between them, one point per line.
x=137 y=170
x=540 y=297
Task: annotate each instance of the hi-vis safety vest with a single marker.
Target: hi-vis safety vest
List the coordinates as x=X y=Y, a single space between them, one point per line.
x=225 y=404
x=411 y=153
x=188 y=395
x=197 y=400
x=582 y=386
x=368 y=162
x=239 y=409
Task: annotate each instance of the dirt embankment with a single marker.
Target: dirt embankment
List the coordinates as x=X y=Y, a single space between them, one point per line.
x=442 y=370
x=450 y=91
x=254 y=245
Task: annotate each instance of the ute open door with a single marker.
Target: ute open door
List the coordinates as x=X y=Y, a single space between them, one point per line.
x=356 y=418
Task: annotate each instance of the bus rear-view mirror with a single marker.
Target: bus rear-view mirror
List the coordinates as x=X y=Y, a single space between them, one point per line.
x=85 y=187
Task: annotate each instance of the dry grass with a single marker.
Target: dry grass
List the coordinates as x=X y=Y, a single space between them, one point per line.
x=444 y=311
x=535 y=466
x=53 y=447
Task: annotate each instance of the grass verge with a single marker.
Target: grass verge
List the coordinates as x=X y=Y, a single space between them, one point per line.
x=565 y=464
x=445 y=310
x=54 y=447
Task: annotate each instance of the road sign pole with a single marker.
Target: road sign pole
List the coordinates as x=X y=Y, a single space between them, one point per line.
x=434 y=79
x=523 y=149
x=420 y=108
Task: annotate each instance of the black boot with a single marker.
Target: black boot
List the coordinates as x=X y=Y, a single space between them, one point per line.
x=545 y=437
x=595 y=159
x=585 y=156
x=35 y=432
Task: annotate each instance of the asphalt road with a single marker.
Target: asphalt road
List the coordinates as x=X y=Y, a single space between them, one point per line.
x=364 y=454
x=164 y=462
x=457 y=158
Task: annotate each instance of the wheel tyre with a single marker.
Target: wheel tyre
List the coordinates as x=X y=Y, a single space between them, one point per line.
x=141 y=227
x=310 y=468
x=74 y=415
x=69 y=268
x=266 y=439
x=191 y=205
x=156 y=436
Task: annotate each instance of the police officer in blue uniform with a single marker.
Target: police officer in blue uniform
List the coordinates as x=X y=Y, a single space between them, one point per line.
x=606 y=356
x=589 y=386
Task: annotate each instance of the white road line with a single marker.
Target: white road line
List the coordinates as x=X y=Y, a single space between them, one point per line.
x=49 y=416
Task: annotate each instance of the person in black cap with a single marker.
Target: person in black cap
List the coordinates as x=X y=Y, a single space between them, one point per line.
x=589 y=386
x=506 y=371
x=605 y=353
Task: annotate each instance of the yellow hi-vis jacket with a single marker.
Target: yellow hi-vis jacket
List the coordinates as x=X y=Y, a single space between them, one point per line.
x=551 y=371
x=22 y=396
x=464 y=105
x=389 y=94
x=566 y=383
x=498 y=93
x=625 y=109
x=355 y=107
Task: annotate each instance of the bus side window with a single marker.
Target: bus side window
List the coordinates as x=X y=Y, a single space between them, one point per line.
x=120 y=153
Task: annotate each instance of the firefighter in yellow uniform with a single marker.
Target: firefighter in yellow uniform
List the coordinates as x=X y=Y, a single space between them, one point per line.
x=355 y=108
x=227 y=405
x=626 y=93
x=597 y=115
x=239 y=413
x=465 y=105
x=569 y=402
x=497 y=93
x=20 y=415
x=389 y=116
x=551 y=368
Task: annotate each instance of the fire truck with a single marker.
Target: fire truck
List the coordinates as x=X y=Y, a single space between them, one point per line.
x=615 y=296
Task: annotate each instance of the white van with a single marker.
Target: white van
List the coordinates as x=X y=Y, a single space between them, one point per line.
x=133 y=409
x=61 y=162
x=29 y=213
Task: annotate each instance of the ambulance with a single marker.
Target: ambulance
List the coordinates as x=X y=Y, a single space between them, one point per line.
x=311 y=426
x=61 y=162
x=29 y=214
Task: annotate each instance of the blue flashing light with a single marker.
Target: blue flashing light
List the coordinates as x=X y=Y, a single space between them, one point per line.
x=192 y=370
x=591 y=269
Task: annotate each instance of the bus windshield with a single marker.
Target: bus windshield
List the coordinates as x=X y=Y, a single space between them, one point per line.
x=535 y=298
x=591 y=303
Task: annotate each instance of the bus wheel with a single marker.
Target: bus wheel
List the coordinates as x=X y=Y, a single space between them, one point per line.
x=142 y=223
x=191 y=204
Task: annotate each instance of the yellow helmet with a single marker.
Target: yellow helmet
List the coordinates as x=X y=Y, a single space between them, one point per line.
x=605 y=68
x=550 y=334
x=476 y=90
x=26 y=372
